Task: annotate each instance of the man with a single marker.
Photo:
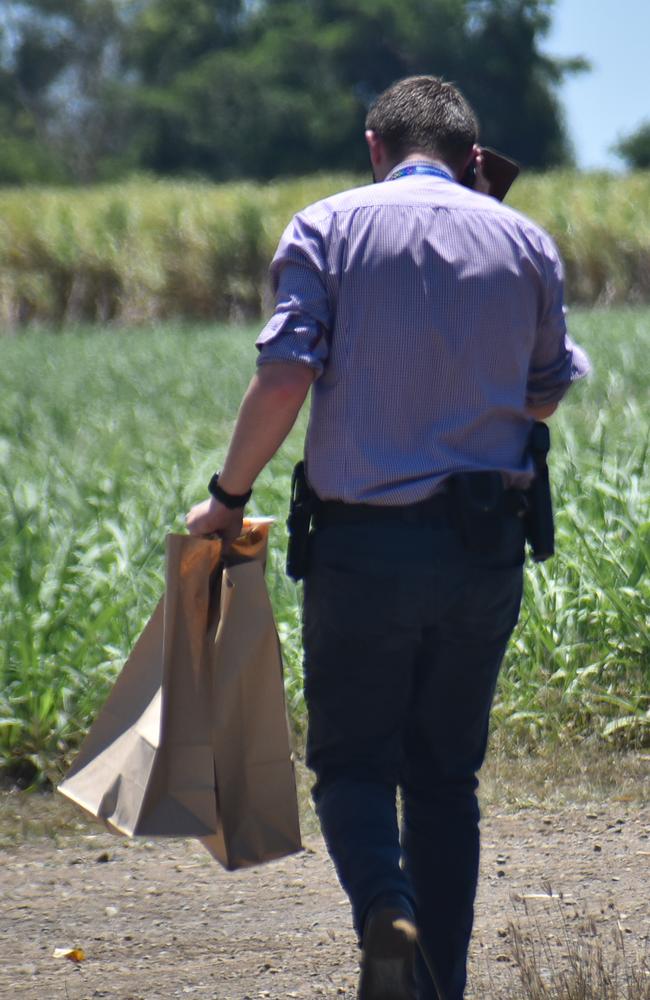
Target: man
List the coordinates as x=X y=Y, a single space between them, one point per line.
x=427 y=318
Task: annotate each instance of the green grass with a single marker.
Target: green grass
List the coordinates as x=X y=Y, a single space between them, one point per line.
x=580 y=659
x=107 y=439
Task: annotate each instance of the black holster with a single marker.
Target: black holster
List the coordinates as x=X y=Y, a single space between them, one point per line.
x=480 y=503
x=478 y=506
x=301 y=509
x=538 y=520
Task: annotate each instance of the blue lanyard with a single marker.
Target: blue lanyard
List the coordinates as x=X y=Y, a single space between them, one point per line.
x=421 y=168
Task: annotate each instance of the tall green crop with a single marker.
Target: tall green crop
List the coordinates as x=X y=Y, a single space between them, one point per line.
x=143 y=252
x=107 y=438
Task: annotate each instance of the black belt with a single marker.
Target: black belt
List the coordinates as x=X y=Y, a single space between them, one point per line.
x=336 y=512
x=439 y=506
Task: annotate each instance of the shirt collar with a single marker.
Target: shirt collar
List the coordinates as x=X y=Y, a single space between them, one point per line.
x=422 y=168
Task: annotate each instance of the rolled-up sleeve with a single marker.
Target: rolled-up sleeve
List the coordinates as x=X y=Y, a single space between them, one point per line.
x=299 y=329
x=556 y=362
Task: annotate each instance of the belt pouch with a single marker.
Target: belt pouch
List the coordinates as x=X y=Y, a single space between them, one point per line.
x=478 y=509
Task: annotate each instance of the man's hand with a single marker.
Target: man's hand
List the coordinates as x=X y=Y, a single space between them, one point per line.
x=212 y=518
x=482 y=184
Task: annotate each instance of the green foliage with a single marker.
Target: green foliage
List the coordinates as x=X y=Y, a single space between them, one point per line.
x=286 y=91
x=105 y=442
x=264 y=89
x=25 y=156
x=97 y=443
x=25 y=160
x=61 y=88
x=150 y=251
x=634 y=148
x=582 y=649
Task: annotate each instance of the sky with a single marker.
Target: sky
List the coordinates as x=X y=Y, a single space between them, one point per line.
x=614 y=98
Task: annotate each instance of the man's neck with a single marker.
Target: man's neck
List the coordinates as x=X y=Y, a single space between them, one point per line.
x=428 y=158
x=419 y=163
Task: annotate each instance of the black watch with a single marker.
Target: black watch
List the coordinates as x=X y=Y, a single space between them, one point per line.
x=229 y=500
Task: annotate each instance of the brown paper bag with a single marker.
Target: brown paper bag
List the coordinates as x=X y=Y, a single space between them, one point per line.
x=193 y=739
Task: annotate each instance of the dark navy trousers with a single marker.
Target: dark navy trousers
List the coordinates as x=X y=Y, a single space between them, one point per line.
x=404 y=633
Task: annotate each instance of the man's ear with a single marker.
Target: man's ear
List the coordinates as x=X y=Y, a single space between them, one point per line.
x=474 y=152
x=375 y=147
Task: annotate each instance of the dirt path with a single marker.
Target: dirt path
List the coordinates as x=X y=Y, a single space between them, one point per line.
x=162 y=920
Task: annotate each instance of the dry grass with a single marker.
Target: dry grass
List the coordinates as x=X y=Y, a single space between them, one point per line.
x=150 y=250
x=562 y=774
x=592 y=967
x=550 y=781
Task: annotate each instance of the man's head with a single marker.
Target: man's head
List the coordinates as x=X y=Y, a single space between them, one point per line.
x=421 y=114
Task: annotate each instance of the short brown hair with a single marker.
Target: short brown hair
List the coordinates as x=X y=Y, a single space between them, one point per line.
x=424 y=114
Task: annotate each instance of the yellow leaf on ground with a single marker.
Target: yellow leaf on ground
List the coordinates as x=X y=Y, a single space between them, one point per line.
x=73 y=954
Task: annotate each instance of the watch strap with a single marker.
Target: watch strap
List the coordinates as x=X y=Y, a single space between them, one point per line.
x=230 y=500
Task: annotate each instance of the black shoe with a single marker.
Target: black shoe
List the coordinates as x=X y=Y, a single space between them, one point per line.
x=388 y=956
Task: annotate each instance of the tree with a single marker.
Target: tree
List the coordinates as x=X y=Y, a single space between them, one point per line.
x=634 y=148
x=264 y=88
x=23 y=143
x=282 y=86
x=61 y=63
x=513 y=85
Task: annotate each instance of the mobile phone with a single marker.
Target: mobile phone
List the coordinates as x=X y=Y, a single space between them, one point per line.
x=500 y=171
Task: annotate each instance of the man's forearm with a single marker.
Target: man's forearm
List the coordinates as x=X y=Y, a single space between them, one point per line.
x=268 y=411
